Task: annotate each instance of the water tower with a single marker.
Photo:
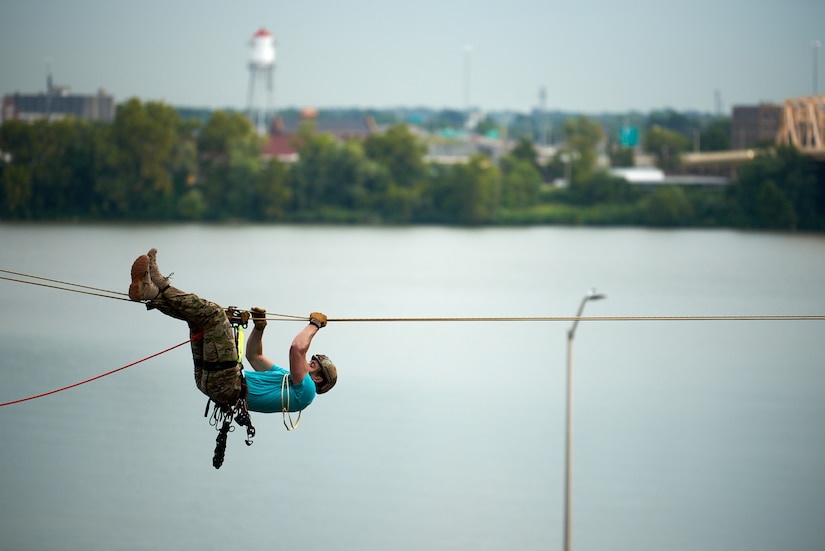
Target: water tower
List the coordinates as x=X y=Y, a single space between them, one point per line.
x=261 y=69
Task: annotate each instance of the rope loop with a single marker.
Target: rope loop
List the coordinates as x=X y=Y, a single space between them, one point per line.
x=285 y=413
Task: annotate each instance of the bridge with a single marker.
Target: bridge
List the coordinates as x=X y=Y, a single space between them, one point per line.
x=803 y=125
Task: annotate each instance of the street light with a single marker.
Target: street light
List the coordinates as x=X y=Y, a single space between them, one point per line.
x=567 y=159
x=468 y=50
x=568 y=469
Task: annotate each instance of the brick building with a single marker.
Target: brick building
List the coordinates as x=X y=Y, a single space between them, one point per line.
x=754 y=125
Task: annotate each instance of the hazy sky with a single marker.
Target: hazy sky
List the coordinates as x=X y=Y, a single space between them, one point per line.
x=591 y=55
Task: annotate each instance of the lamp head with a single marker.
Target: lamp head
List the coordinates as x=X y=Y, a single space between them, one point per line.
x=593 y=295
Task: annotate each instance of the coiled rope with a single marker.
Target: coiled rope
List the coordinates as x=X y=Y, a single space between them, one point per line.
x=272 y=316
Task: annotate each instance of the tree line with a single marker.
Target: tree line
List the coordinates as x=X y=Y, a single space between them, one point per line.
x=152 y=164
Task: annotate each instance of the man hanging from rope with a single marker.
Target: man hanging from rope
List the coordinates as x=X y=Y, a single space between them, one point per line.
x=218 y=373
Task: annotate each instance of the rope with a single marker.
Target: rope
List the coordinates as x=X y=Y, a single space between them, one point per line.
x=110 y=294
x=196 y=337
x=285 y=405
x=591 y=318
x=271 y=316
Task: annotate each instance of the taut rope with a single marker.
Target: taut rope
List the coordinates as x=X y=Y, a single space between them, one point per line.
x=271 y=316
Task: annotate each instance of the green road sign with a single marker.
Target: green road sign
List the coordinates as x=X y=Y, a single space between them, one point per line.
x=629 y=136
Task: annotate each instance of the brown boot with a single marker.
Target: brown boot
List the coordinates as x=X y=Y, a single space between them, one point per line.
x=154 y=272
x=142 y=287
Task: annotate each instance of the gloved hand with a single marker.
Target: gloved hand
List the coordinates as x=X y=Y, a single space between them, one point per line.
x=318 y=319
x=259 y=317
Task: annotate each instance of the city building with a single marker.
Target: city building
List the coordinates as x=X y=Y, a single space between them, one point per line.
x=282 y=132
x=650 y=178
x=56 y=103
x=754 y=125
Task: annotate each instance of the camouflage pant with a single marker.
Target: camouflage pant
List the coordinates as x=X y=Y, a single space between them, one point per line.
x=217 y=371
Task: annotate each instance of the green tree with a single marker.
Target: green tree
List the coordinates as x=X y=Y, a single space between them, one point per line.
x=16 y=191
x=395 y=184
x=667 y=206
x=18 y=140
x=273 y=193
x=400 y=152
x=400 y=205
x=347 y=175
x=112 y=192
x=666 y=146
x=185 y=162
x=228 y=138
x=673 y=121
x=772 y=209
x=794 y=176
x=603 y=188
x=192 y=205
x=716 y=135
x=334 y=175
x=467 y=193
x=583 y=136
x=55 y=159
x=622 y=157
x=520 y=182
x=525 y=150
x=137 y=181
x=310 y=177
x=230 y=165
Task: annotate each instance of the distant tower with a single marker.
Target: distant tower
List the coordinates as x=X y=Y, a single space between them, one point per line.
x=261 y=67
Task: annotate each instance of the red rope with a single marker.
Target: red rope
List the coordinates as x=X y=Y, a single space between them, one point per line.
x=196 y=337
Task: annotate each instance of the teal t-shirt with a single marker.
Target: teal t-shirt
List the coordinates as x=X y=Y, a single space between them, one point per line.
x=265 y=391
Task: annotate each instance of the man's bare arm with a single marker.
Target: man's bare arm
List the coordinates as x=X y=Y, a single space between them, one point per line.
x=298 y=365
x=254 y=342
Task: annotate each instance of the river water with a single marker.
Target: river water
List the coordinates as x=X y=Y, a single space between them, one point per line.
x=440 y=435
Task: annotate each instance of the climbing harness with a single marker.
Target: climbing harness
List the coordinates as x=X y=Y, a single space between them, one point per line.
x=222 y=414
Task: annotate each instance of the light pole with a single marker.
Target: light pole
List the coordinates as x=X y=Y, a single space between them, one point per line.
x=567 y=159
x=815 y=45
x=568 y=468
x=468 y=50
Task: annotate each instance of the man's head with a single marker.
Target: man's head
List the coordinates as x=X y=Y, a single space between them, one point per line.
x=323 y=372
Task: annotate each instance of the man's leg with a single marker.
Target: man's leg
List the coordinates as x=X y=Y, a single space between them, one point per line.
x=205 y=317
x=215 y=355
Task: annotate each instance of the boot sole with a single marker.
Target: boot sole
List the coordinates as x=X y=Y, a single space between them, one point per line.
x=139 y=268
x=154 y=272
